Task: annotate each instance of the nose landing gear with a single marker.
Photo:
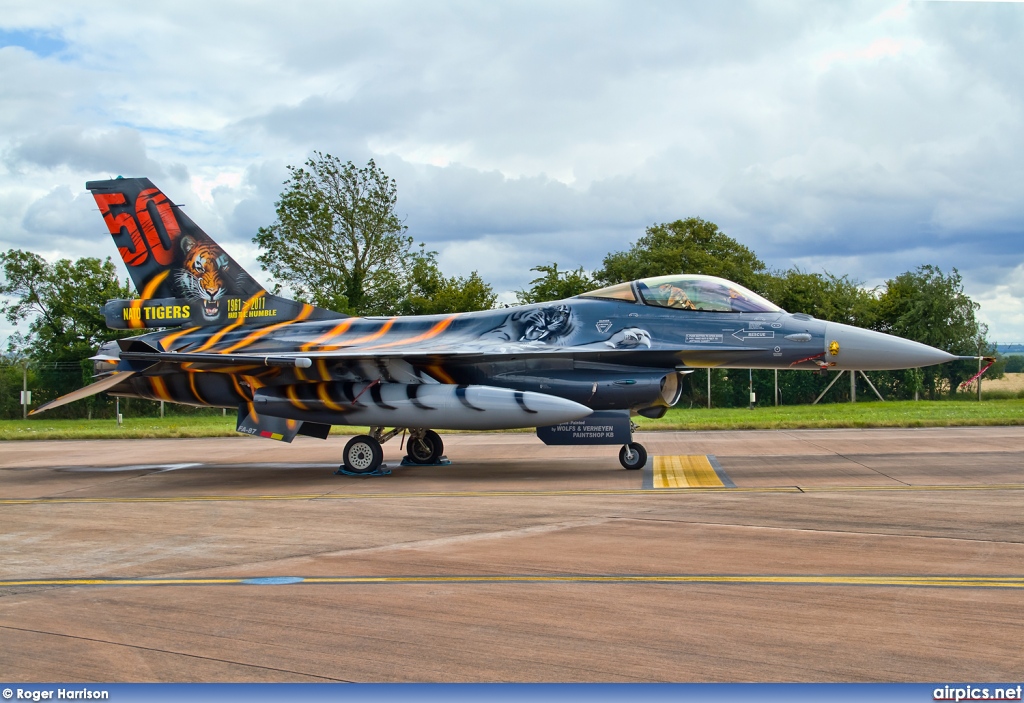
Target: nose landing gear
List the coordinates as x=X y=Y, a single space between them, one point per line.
x=633 y=456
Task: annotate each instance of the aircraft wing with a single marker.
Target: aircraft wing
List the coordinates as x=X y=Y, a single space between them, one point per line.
x=304 y=360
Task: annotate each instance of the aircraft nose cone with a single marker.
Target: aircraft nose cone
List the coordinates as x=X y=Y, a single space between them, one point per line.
x=867 y=350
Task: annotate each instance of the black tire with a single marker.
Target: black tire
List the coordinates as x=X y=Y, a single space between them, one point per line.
x=633 y=456
x=426 y=450
x=363 y=455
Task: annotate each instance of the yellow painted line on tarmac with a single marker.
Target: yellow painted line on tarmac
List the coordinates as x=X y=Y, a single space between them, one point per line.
x=741 y=579
x=902 y=487
x=685 y=471
x=504 y=494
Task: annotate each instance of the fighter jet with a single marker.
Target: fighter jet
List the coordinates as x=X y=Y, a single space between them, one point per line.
x=575 y=369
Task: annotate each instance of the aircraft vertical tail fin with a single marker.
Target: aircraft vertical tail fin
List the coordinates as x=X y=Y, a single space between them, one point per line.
x=167 y=254
x=182 y=275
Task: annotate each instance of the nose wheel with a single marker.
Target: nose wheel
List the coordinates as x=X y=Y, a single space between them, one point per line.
x=633 y=456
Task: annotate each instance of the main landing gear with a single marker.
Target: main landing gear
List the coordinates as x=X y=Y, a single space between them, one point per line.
x=424 y=447
x=364 y=454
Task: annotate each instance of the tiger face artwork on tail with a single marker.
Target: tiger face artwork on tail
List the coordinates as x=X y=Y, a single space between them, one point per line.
x=205 y=275
x=168 y=256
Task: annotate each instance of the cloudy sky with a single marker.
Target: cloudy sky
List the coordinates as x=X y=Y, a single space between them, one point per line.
x=861 y=138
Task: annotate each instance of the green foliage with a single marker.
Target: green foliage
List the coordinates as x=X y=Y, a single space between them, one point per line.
x=692 y=245
x=10 y=389
x=430 y=292
x=824 y=296
x=555 y=285
x=337 y=241
x=947 y=413
x=61 y=302
x=1014 y=364
x=931 y=307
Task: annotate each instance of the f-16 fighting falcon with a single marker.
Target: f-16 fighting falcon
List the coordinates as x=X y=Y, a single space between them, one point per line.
x=575 y=369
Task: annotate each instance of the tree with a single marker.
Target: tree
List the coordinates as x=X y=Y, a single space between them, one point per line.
x=824 y=296
x=556 y=285
x=1015 y=364
x=61 y=302
x=930 y=307
x=692 y=245
x=431 y=293
x=337 y=241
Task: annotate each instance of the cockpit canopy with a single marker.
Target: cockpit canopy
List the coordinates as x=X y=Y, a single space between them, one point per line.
x=688 y=292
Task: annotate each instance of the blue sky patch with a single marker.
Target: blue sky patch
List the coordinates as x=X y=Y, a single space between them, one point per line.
x=39 y=43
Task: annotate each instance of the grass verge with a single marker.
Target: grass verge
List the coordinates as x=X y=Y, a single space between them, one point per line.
x=943 y=413
x=946 y=413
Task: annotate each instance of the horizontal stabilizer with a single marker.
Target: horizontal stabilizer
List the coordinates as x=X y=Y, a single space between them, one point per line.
x=92 y=389
x=136 y=345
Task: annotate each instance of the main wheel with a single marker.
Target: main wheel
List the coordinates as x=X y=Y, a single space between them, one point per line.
x=363 y=455
x=633 y=456
x=426 y=449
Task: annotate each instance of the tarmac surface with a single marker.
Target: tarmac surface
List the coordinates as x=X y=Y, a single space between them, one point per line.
x=812 y=555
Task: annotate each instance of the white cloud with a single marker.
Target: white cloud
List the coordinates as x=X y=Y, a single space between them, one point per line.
x=867 y=138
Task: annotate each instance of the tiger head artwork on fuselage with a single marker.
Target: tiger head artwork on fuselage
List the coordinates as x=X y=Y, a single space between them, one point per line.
x=205 y=275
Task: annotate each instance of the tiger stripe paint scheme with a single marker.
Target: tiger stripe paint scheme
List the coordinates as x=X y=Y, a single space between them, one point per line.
x=221 y=339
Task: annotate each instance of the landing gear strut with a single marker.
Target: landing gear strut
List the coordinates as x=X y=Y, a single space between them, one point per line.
x=364 y=455
x=424 y=447
x=633 y=456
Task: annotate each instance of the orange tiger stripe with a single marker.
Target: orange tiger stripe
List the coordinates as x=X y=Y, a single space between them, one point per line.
x=217 y=336
x=368 y=338
x=254 y=383
x=294 y=398
x=321 y=390
x=439 y=374
x=147 y=293
x=340 y=328
x=429 y=334
x=195 y=391
x=307 y=310
x=167 y=341
x=154 y=283
x=160 y=388
x=238 y=387
x=321 y=367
